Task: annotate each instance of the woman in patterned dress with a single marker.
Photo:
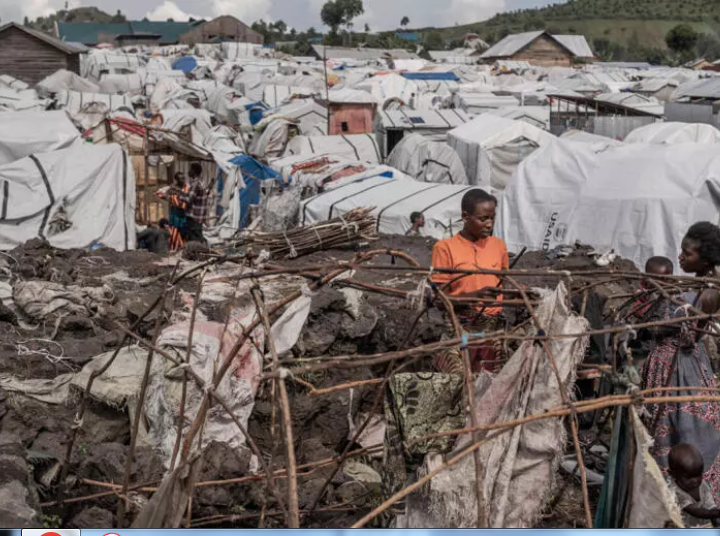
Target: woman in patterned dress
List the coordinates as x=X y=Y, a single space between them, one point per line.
x=679 y=359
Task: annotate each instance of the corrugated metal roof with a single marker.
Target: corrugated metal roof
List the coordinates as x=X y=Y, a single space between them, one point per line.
x=423 y=119
x=577 y=44
x=511 y=44
x=88 y=32
x=707 y=89
x=342 y=53
x=68 y=48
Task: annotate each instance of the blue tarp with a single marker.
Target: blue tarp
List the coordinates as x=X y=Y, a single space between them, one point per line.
x=256 y=111
x=431 y=76
x=185 y=64
x=254 y=173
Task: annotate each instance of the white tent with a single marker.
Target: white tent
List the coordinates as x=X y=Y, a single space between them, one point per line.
x=360 y=147
x=74 y=101
x=121 y=83
x=275 y=95
x=25 y=133
x=477 y=103
x=394 y=197
x=310 y=116
x=65 y=80
x=671 y=133
x=94 y=186
x=427 y=161
x=18 y=101
x=537 y=116
x=581 y=136
x=234 y=51
x=391 y=86
x=492 y=147
x=636 y=199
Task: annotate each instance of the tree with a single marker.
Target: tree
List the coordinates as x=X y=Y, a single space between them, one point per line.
x=367 y=28
x=118 y=17
x=433 y=41
x=280 y=27
x=405 y=21
x=682 y=39
x=26 y=22
x=336 y=13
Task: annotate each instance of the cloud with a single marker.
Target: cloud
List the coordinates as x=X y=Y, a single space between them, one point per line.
x=247 y=11
x=169 y=10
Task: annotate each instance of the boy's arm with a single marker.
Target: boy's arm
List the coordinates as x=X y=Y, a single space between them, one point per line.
x=702 y=513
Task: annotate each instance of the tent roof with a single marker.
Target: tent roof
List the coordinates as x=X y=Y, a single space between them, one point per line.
x=489 y=130
x=341 y=53
x=403 y=119
x=674 y=133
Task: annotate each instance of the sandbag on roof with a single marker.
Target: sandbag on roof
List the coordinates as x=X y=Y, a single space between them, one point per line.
x=427 y=161
x=645 y=196
x=26 y=133
x=394 y=196
x=674 y=133
x=361 y=147
x=75 y=198
x=492 y=147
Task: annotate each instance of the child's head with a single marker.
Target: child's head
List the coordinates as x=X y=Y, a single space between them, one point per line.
x=163 y=223
x=686 y=466
x=417 y=219
x=659 y=266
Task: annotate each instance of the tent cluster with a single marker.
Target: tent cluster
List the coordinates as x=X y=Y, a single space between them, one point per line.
x=304 y=141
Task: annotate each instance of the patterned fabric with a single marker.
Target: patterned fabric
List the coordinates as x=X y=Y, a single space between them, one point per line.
x=484 y=357
x=198 y=199
x=684 y=499
x=416 y=405
x=681 y=361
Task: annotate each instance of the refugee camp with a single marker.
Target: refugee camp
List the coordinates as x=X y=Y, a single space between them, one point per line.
x=365 y=275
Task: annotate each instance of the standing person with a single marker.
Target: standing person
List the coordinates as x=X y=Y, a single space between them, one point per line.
x=197 y=202
x=678 y=359
x=418 y=222
x=473 y=248
x=178 y=213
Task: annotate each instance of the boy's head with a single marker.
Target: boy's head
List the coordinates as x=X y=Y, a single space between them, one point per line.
x=686 y=466
x=163 y=223
x=179 y=179
x=478 y=213
x=659 y=266
x=195 y=170
x=417 y=219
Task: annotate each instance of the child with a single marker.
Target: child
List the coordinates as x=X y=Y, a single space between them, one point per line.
x=654 y=266
x=694 y=496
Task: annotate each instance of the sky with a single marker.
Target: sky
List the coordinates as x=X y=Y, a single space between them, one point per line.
x=299 y=14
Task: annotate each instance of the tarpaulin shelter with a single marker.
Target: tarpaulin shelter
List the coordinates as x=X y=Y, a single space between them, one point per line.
x=431 y=75
x=360 y=147
x=492 y=147
x=254 y=174
x=185 y=64
x=26 y=133
x=394 y=197
x=75 y=198
x=671 y=133
x=428 y=161
x=393 y=125
x=636 y=199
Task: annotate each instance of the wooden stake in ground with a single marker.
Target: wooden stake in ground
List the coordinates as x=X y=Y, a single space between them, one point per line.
x=293 y=520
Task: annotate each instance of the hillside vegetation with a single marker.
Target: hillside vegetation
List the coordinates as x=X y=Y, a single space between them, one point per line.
x=617 y=29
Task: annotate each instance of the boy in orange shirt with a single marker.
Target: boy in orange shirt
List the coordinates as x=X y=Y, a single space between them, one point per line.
x=473 y=248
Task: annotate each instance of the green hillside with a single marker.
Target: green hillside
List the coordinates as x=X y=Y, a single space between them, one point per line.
x=617 y=29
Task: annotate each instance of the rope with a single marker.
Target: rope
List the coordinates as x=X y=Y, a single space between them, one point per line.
x=293 y=253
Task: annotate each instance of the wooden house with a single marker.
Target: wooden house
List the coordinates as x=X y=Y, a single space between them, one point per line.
x=541 y=48
x=351 y=112
x=224 y=28
x=30 y=55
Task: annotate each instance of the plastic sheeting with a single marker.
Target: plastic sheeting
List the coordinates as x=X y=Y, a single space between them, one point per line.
x=360 y=147
x=74 y=101
x=518 y=467
x=26 y=133
x=394 y=197
x=93 y=185
x=492 y=147
x=66 y=80
x=674 y=133
x=645 y=196
x=275 y=95
x=427 y=161
x=391 y=86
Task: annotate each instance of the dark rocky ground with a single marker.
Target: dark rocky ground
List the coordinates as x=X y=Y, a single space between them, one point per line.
x=34 y=435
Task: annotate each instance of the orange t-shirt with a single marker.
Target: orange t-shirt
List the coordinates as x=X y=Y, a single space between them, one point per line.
x=462 y=254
